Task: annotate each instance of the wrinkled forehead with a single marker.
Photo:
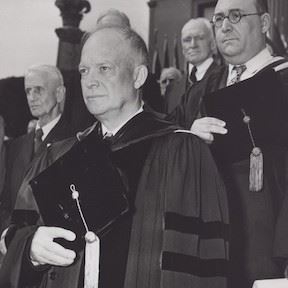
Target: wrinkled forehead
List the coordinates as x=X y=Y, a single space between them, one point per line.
x=105 y=45
x=36 y=78
x=226 y=5
x=194 y=28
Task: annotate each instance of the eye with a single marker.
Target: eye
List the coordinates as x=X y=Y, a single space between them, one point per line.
x=234 y=16
x=83 y=71
x=28 y=90
x=104 y=68
x=218 y=18
x=187 y=40
x=37 y=90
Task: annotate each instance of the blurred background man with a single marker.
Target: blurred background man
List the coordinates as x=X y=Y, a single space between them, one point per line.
x=199 y=47
x=46 y=97
x=256 y=186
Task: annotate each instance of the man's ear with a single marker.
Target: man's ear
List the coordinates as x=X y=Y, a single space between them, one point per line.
x=265 y=22
x=60 y=93
x=140 y=76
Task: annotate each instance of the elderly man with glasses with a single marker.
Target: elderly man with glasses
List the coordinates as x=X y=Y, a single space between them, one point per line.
x=246 y=123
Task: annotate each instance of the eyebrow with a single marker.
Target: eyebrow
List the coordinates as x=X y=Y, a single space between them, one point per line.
x=233 y=9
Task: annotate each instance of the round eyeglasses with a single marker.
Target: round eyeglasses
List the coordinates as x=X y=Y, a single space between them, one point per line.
x=234 y=17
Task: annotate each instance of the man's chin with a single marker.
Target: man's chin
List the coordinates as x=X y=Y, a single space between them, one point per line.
x=229 y=50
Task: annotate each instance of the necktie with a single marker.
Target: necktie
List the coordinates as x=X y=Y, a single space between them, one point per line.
x=107 y=135
x=38 y=139
x=238 y=71
x=192 y=76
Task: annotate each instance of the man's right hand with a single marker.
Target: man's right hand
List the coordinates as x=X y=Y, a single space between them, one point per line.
x=206 y=126
x=45 y=251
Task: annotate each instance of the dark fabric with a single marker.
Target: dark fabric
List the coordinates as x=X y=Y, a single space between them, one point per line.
x=2 y=154
x=151 y=93
x=166 y=173
x=19 y=155
x=177 y=192
x=38 y=139
x=191 y=106
x=253 y=215
x=192 y=76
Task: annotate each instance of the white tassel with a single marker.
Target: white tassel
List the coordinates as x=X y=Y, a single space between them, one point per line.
x=256 y=170
x=92 y=248
x=92 y=255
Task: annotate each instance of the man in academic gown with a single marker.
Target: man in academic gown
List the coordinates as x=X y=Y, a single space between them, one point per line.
x=199 y=49
x=175 y=231
x=250 y=112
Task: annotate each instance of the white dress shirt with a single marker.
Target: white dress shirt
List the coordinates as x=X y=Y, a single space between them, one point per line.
x=48 y=127
x=201 y=69
x=254 y=65
x=114 y=131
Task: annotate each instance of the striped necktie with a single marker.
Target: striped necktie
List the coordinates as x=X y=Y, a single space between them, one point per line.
x=238 y=71
x=192 y=76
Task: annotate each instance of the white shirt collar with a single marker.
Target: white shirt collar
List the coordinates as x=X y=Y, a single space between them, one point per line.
x=254 y=65
x=201 y=69
x=48 y=127
x=114 y=131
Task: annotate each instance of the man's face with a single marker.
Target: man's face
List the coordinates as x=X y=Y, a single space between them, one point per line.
x=106 y=69
x=196 y=43
x=41 y=95
x=239 y=42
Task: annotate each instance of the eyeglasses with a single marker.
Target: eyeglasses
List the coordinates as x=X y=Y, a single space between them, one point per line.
x=234 y=17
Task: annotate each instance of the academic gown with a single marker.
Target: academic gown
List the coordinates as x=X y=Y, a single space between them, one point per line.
x=175 y=234
x=19 y=156
x=191 y=106
x=253 y=215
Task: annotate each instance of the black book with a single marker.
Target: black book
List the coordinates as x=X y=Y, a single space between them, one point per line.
x=264 y=99
x=88 y=169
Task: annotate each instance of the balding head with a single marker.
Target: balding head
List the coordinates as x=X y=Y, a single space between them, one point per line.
x=113 y=67
x=113 y=17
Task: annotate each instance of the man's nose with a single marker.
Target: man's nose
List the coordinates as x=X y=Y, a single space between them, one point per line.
x=92 y=80
x=226 y=25
x=193 y=42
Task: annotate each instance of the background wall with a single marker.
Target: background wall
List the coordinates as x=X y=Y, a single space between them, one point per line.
x=27 y=29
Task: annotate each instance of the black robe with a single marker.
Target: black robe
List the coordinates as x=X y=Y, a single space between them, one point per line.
x=253 y=215
x=175 y=233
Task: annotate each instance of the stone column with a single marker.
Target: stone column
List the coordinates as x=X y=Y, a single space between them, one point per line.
x=75 y=112
x=70 y=35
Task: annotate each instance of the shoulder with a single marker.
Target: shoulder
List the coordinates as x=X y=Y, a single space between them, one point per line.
x=181 y=141
x=282 y=70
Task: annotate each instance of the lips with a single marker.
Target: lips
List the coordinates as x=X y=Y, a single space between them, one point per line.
x=34 y=107
x=94 y=97
x=228 y=40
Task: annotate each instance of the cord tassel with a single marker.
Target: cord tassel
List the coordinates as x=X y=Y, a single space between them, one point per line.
x=92 y=255
x=92 y=248
x=256 y=170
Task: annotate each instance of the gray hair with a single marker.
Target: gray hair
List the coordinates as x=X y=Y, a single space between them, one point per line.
x=53 y=72
x=136 y=41
x=208 y=25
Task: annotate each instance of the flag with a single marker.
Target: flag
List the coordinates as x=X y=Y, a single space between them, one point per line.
x=175 y=53
x=275 y=41
x=156 y=65
x=165 y=52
